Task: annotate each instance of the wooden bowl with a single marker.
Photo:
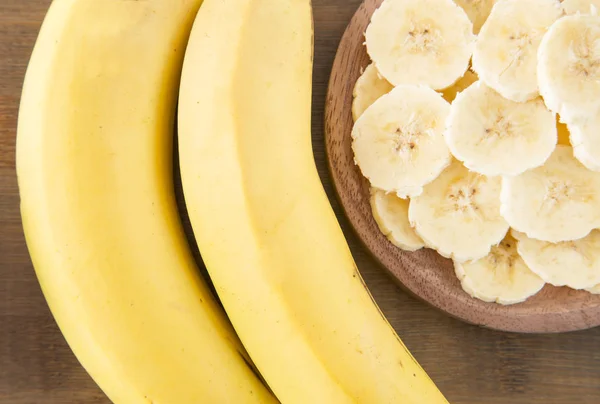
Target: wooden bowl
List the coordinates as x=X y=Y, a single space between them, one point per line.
x=424 y=273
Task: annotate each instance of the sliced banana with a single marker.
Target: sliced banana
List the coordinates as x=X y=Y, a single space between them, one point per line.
x=569 y=67
x=369 y=87
x=426 y=42
x=465 y=81
x=391 y=215
x=589 y=161
x=477 y=11
x=398 y=141
x=595 y=290
x=496 y=136
x=458 y=214
x=572 y=7
x=564 y=135
x=585 y=137
x=505 y=55
x=575 y=264
x=559 y=201
x=501 y=276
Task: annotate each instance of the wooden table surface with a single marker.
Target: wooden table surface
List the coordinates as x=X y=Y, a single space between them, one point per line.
x=469 y=364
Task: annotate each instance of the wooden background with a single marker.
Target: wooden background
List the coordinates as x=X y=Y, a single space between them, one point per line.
x=469 y=364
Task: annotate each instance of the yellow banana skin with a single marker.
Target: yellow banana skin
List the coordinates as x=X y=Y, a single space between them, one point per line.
x=94 y=160
x=271 y=242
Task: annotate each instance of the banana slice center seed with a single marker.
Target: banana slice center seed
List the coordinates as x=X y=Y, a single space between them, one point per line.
x=405 y=139
x=584 y=55
x=561 y=190
x=462 y=199
x=522 y=45
x=501 y=127
x=405 y=142
x=421 y=37
x=504 y=255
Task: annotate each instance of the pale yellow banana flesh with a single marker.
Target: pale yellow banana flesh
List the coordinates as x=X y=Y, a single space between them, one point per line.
x=559 y=201
x=369 y=87
x=568 y=70
x=575 y=264
x=586 y=142
x=501 y=276
x=267 y=233
x=94 y=161
x=572 y=7
x=426 y=42
x=505 y=55
x=458 y=214
x=398 y=141
x=477 y=10
x=507 y=58
x=391 y=215
x=495 y=136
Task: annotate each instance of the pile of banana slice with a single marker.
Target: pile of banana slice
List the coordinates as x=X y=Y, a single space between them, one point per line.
x=478 y=126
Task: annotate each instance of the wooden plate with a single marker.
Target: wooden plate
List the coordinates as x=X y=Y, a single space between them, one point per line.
x=426 y=274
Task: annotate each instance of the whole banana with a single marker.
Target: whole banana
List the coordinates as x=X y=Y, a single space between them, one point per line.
x=94 y=160
x=264 y=225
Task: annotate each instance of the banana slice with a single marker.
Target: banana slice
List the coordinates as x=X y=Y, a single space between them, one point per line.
x=477 y=11
x=426 y=42
x=559 y=201
x=572 y=7
x=505 y=55
x=398 y=141
x=586 y=142
x=465 y=81
x=501 y=276
x=595 y=290
x=496 y=136
x=575 y=264
x=458 y=214
x=369 y=87
x=569 y=67
x=564 y=135
x=391 y=215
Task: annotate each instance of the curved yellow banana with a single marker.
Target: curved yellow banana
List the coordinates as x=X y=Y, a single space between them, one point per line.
x=264 y=225
x=94 y=151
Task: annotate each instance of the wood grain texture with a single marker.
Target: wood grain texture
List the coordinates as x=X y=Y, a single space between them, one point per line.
x=471 y=365
x=425 y=273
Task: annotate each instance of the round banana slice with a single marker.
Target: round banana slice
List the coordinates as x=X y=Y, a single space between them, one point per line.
x=426 y=42
x=465 y=81
x=595 y=290
x=572 y=7
x=458 y=214
x=369 y=87
x=564 y=135
x=569 y=67
x=391 y=215
x=586 y=141
x=398 y=141
x=477 y=11
x=575 y=264
x=505 y=55
x=501 y=276
x=559 y=201
x=496 y=136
